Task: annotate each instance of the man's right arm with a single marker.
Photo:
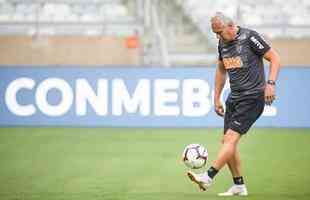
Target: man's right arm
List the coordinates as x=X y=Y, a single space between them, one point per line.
x=220 y=79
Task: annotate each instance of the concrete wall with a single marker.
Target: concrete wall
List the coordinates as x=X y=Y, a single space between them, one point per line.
x=86 y=51
x=293 y=52
x=64 y=50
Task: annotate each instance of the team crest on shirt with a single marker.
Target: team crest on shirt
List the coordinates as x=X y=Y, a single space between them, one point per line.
x=233 y=62
x=239 y=48
x=242 y=37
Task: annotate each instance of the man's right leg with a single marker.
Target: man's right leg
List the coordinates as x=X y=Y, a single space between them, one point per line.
x=226 y=152
x=228 y=149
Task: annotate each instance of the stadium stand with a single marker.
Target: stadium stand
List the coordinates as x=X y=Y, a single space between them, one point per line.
x=264 y=15
x=68 y=32
x=169 y=33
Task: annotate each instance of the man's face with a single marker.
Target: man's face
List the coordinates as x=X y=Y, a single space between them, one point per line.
x=221 y=31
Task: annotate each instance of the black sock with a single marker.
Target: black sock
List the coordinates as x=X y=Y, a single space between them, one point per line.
x=238 y=180
x=212 y=172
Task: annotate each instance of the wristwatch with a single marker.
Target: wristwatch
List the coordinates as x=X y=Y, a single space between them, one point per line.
x=271 y=82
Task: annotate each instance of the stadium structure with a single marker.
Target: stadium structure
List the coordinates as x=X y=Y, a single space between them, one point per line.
x=98 y=99
x=145 y=32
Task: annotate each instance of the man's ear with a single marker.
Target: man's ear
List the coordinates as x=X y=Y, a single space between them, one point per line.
x=230 y=26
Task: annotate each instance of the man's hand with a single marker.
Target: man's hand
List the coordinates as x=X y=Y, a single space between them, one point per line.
x=270 y=95
x=219 y=108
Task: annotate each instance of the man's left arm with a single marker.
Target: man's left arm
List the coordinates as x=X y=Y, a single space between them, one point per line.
x=273 y=57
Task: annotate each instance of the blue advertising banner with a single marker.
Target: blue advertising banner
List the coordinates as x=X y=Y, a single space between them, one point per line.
x=135 y=97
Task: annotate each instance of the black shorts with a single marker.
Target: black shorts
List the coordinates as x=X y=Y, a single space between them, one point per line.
x=240 y=115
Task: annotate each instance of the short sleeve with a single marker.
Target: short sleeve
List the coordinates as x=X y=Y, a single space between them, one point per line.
x=258 y=44
x=219 y=52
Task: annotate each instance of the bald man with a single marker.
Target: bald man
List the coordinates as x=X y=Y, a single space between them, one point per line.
x=241 y=53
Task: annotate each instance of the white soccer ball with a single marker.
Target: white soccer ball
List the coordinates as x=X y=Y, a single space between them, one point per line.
x=195 y=156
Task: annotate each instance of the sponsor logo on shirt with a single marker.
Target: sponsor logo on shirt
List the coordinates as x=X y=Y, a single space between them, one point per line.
x=256 y=42
x=233 y=62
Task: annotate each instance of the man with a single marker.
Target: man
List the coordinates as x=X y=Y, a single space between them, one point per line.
x=241 y=53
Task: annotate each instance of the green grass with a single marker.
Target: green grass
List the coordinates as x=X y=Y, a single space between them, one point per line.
x=144 y=164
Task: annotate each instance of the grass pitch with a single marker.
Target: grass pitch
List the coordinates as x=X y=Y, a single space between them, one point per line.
x=144 y=164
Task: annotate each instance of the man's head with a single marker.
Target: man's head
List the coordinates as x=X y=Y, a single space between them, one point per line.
x=223 y=27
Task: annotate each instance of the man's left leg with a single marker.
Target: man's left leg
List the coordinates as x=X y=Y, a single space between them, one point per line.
x=234 y=164
x=245 y=114
x=239 y=188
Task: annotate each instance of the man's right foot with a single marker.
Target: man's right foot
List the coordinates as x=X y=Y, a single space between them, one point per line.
x=202 y=180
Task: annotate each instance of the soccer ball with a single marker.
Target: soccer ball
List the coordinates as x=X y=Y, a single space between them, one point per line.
x=195 y=156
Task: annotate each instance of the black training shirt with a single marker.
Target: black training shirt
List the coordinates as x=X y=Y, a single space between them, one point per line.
x=243 y=60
